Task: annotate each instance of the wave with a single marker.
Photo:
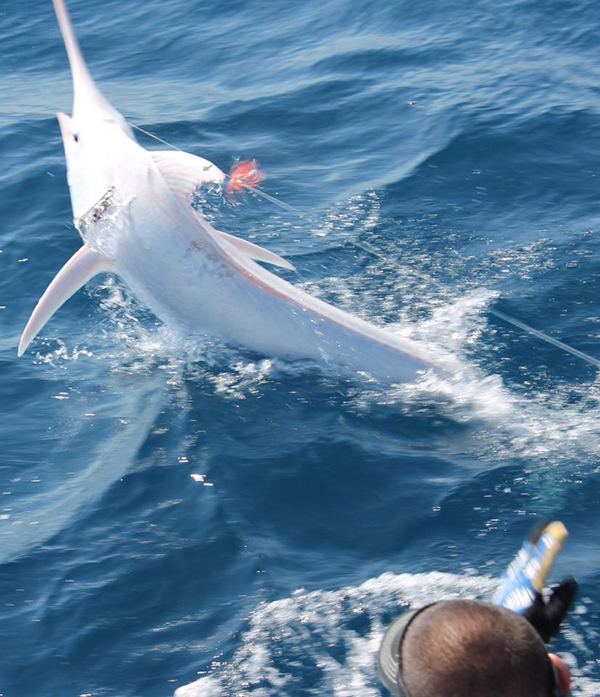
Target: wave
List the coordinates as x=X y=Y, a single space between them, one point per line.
x=326 y=641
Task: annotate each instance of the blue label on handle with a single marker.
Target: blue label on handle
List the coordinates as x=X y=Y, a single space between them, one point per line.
x=526 y=574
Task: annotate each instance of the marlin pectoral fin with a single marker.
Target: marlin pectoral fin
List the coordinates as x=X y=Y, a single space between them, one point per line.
x=184 y=172
x=75 y=273
x=254 y=251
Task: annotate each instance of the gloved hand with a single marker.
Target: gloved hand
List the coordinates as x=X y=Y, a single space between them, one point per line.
x=547 y=616
x=523 y=581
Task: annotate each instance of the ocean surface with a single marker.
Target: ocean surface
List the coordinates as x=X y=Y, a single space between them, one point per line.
x=178 y=517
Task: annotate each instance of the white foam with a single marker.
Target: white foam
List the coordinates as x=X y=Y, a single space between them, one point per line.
x=315 y=633
x=543 y=427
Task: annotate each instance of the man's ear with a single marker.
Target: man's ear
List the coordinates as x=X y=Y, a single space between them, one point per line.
x=563 y=673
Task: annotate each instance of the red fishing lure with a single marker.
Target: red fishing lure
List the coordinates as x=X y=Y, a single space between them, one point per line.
x=243 y=175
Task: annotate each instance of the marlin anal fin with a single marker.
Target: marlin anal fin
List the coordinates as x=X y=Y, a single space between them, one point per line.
x=254 y=251
x=184 y=172
x=75 y=273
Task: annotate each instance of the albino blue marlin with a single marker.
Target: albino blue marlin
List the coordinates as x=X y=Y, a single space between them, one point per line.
x=133 y=209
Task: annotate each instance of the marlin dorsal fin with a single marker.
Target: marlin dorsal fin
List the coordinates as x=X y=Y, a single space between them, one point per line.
x=184 y=172
x=75 y=273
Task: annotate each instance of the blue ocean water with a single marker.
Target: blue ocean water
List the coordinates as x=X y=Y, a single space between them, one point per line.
x=180 y=518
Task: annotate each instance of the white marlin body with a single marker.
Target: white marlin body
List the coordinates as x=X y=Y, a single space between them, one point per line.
x=134 y=211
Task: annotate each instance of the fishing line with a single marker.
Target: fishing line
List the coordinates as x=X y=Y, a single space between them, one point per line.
x=497 y=313
x=258 y=192
x=367 y=248
x=282 y=204
x=160 y=140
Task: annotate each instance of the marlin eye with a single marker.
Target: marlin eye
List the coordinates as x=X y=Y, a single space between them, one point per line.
x=76 y=137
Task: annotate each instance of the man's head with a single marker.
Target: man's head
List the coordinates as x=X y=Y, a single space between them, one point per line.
x=465 y=647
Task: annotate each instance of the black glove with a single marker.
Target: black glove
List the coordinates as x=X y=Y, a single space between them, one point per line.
x=546 y=617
